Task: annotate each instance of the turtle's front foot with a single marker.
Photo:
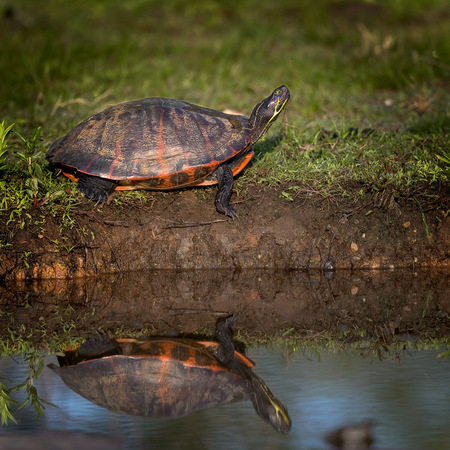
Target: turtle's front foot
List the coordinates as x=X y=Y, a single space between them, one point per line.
x=224 y=333
x=226 y=209
x=225 y=180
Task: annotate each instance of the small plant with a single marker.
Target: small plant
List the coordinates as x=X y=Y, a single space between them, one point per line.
x=4 y=132
x=21 y=162
x=445 y=157
x=35 y=363
x=25 y=257
x=29 y=162
x=5 y=403
x=287 y=196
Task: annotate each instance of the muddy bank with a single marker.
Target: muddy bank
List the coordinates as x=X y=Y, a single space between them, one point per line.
x=181 y=230
x=378 y=303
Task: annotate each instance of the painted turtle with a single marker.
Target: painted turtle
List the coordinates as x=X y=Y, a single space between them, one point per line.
x=162 y=143
x=168 y=377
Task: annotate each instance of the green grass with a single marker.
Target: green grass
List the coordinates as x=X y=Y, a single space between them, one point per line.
x=383 y=65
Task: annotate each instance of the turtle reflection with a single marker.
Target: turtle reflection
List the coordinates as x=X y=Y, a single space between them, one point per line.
x=168 y=377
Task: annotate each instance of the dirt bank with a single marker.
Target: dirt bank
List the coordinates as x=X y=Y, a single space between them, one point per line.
x=182 y=230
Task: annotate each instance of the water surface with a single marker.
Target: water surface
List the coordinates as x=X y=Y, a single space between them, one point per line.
x=408 y=398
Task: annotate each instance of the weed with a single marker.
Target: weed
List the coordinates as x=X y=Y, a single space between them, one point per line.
x=29 y=162
x=424 y=220
x=34 y=361
x=287 y=196
x=6 y=401
x=4 y=132
x=444 y=157
x=25 y=257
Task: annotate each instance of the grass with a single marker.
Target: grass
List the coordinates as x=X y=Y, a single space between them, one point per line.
x=381 y=161
x=382 y=65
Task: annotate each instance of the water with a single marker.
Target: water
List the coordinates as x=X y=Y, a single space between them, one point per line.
x=266 y=301
x=408 y=398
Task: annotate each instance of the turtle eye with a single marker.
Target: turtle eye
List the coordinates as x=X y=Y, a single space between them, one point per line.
x=277 y=92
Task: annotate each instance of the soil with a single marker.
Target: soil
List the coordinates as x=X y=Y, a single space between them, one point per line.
x=182 y=230
x=268 y=266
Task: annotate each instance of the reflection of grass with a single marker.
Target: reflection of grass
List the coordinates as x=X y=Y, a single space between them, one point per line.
x=313 y=346
x=31 y=343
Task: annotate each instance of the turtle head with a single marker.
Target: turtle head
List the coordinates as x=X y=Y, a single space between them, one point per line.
x=266 y=112
x=268 y=406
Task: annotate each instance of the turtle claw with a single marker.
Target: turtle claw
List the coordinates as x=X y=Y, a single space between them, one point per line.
x=229 y=211
x=226 y=322
x=100 y=201
x=97 y=197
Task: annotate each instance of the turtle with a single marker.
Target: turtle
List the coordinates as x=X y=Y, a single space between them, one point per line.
x=163 y=143
x=168 y=377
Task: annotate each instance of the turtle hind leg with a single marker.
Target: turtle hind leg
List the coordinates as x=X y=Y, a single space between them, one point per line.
x=98 y=346
x=95 y=347
x=96 y=189
x=56 y=172
x=224 y=176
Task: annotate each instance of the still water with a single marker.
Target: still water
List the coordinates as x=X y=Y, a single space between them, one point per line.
x=407 y=397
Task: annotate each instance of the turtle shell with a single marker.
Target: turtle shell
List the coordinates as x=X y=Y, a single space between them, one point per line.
x=154 y=143
x=157 y=377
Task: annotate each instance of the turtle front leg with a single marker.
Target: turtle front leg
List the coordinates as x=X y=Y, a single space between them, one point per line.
x=96 y=189
x=224 y=334
x=224 y=176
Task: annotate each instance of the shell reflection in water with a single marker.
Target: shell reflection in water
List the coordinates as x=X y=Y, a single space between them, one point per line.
x=168 y=377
